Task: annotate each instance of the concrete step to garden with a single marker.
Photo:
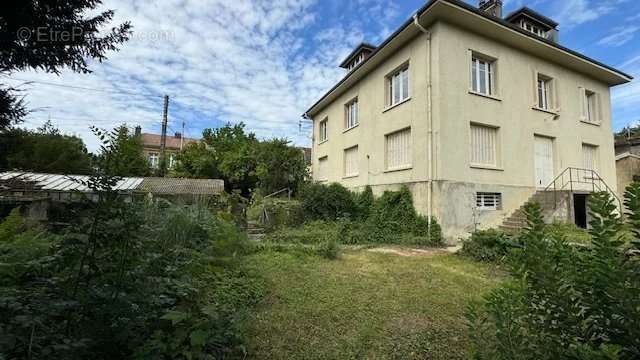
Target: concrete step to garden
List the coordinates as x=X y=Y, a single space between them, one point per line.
x=255 y=231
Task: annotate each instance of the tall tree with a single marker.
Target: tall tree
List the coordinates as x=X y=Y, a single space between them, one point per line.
x=280 y=166
x=123 y=156
x=43 y=150
x=49 y=35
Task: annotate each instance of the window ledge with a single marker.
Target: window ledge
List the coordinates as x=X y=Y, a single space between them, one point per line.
x=492 y=97
x=351 y=128
x=592 y=123
x=552 y=112
x=323 y=141
x=402 y=168
x=486 y=167
x=396 y=105
x=350 y=176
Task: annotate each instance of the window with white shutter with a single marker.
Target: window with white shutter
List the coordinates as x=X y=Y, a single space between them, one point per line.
x=544 y=89
x=398 y=149
x=589 y=157
x=484 y=145
x=488 y=201
x=323 y=130
x=590 y=102
x=351 y=162
x=323 y=164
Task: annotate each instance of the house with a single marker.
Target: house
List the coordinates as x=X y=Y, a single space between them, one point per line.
x=151 y=147
x=476 y=113
x=627 y=159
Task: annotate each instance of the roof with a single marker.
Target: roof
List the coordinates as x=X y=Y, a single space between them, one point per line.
x=178 y=186
x=362 y=47
x=626 y=155
x=153 y=140
x=620 y=76
x=532 y=14
x=69 y=183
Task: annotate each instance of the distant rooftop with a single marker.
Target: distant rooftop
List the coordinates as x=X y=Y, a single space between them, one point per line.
x=173 y=141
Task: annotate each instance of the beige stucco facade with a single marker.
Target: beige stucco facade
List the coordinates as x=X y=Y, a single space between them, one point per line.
x=442 y=59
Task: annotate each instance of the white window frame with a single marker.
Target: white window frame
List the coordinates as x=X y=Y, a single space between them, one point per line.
x=351 y=114
x=544 y=91
x=488 y=201
x=483 y=68
x=154 y=160
x=403 y=166
x=591 y=106
x=345 y=164
x=398 y=86
x=323 y=131
x=496 y=147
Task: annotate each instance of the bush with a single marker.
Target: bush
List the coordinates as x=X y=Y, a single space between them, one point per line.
x=487 y=245
x=311 y=233
x=364 y=203
x=570 y=232
x=277 y=213
x=566 y=301
x=333 y=202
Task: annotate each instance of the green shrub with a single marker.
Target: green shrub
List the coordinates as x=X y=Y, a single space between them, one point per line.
x=310 y=233
x=364 y=202
x=332 y=202
x=277 y=213
x=328 y=248
x=566 y=301
x=569 y=231
x=487 y=245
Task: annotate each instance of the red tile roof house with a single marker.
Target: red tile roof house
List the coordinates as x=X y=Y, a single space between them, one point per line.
x=151 y=147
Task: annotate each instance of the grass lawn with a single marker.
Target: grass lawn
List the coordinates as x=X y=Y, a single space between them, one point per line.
x=365 y=305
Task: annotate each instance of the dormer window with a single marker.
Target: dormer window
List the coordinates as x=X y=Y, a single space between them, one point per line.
x=534 y=23
x=357 y=56
x=530 y=27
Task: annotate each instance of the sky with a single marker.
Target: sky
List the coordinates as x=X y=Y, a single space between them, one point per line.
x=264 y=62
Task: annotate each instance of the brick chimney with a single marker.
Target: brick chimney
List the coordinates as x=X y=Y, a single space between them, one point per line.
x=492 y=7
x=178 y=135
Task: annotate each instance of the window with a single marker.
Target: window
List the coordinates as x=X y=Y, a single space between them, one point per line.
x=544 y=92
x=533 y=29
x=398 y=149
x=398 y=86
x=154 y=160
x=590 y=106
x=322 y=168
x=589 y=157
x=351 y=114
x=484 y=143
x=351 y=162
x=482 y=75
x=323 y=130
x=488 y=201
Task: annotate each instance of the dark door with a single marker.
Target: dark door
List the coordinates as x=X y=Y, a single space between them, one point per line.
x=580 y=210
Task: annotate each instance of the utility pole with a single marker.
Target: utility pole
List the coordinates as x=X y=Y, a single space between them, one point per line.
x=163 y=137
x=182 y=137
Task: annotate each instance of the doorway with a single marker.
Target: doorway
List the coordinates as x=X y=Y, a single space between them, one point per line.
x=543 y=161
x=580 y=210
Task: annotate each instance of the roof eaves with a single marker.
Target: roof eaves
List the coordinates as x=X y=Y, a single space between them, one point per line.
x=477 y=12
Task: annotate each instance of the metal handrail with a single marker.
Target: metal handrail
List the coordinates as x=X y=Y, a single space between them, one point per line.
x=589 y=177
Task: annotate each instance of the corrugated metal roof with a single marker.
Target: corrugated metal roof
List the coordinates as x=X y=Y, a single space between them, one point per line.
x=164 y=186
x=56 y=182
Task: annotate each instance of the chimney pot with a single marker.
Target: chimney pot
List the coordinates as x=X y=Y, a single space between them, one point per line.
x=492 y=7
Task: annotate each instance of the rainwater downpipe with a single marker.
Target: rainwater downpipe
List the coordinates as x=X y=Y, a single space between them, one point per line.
x=416 y=22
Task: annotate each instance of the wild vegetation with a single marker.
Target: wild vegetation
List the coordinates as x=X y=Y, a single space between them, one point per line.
x=566 y=300
x=332 y=212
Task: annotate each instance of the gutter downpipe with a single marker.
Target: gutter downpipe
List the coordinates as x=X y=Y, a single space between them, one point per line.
x=429 y=124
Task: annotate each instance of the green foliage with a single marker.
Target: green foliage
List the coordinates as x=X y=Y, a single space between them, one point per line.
x=123 y=155
x=43 y=150
x=566 y=301
x=332 y=202
x=280 y=166
x=487 y=245
x=364 y=202
x=274 y=213
x=196 y=160
x=570 y=231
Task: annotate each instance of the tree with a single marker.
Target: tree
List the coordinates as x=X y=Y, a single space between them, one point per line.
x=196 y=160
x=280 y=166
x=50 y=35
x=43 y=150
x=123 y=156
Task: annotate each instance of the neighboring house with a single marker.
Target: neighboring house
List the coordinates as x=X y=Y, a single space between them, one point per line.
x=628 y=170
x=151 y=147
x=475 y=113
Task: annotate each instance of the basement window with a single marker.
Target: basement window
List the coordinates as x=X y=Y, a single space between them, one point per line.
x=487 y=201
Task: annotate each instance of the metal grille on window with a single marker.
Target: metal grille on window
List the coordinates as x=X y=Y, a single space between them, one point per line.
x=488 y=201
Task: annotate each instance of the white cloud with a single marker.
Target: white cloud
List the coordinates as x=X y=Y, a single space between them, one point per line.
x=626 y=98
x=620 y=36
x=571 y=13
x=240 y=60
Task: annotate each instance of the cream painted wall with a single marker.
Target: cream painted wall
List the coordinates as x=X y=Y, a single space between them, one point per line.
x=512 y=111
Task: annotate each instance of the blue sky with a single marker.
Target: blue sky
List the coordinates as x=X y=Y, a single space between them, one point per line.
x=263 y=62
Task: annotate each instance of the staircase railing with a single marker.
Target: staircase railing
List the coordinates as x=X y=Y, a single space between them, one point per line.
x=264 y=214
x=577 y=179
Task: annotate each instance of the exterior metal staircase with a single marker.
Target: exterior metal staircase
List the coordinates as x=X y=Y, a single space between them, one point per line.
x=561 y=190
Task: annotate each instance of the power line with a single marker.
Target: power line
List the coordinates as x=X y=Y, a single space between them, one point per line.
x=85 y=88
